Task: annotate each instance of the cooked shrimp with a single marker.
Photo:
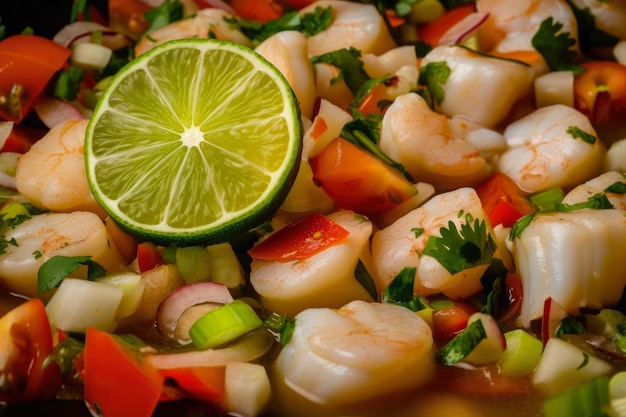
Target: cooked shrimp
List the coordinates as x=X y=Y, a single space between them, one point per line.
x=205 y=23
x=512 y=25
x=597 y=185
x=481 y=88
x=51 y=175
x=354 y=25
x=423 y=141
x=402 y=245
x=554 y=146
x=43 y=236
x=326 y=279
x=288 y=52
x=360 y=351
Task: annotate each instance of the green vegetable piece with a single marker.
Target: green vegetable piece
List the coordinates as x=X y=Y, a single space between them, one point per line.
x=617 y=188
x=555 y=46
x=521 y=355
x=520 y=225
x=458 y=348
x=434 y=75
x=587 y=400
x=364 y=278
x=458 y=250
x=578 y=133
x=548 y=199
x=605 y=323
x=55 y=269
x=589 y=36
x=350 y=66
x=400 y=291
x=595 y=202
x=169 y=11
x=569 y=325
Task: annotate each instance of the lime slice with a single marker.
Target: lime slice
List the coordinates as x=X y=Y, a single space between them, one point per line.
x=194 y=141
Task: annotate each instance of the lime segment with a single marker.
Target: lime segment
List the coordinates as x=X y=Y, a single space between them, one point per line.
x=193 y=141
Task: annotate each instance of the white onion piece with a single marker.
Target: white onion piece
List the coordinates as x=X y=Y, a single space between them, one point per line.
x=81 y=32
x=175 y=304
x=247 y=348
x=464 y=28
x=53 y=111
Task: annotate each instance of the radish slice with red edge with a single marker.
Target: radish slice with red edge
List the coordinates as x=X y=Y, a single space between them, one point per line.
x=175 y=304
x=215 y=4
x=53 y=111
x=553 y=315
x=464 y=28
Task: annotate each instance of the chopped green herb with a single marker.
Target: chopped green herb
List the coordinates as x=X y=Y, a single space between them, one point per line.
x=589 y=36
x=67 y=84
x=417 y=231
x=55 y=269
x=167 y=12
x=364 y=278
x=617 y=188
x=350 y=66
x=80 y=7
x=400 y=291
x=63 y=354
x=37 y=254
x=578 y=133
x=596 y=202
x=458 y=348
x=584 y=362
x=434 y=75
x=458 y=250
x=4 y=243
x=556 y=46
x=493 y=280
x=569 y=325
x=520 y=225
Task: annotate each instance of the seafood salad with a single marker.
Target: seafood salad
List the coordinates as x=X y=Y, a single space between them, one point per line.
x=452 y=240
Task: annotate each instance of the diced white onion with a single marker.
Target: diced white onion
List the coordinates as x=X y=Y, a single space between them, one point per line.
x=247 y=388
x=555 y=87
x=88 y=55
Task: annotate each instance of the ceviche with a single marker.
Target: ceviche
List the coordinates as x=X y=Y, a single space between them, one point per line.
x=445 y=231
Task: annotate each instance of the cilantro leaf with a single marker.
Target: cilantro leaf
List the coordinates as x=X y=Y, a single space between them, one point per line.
x=350 y=66
x=589 y=35
x=67 y=85
x=279 y=325
x=169 y=11
x=520 y=225
x=4 y=243
x=578 y=133
x=617 y=188
x=308 y=24
x=400 y=291
x=458 y=250
x=458 y=348
x=55 y=269
x=595 y=202
x=555 y=46
x=434 y=75
x=364 y=278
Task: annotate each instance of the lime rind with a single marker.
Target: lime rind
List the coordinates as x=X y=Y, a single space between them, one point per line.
x=238 y=127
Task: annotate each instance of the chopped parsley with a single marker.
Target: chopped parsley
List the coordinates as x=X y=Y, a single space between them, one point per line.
x=364 y=278
x=458 y=348
x=434 y=75
x=169 y=11
x=282 y=327
x=589 y=35
x=556 y=46
x=617 y=188
x=55 y=269
x=595 y=202
x=578 y=133
x=67 y=85
x=417 y=231
x=37 y=254
x=350 y=66
x=520 y=225
x=458 y=250
x=4 y=243
x=400 y=291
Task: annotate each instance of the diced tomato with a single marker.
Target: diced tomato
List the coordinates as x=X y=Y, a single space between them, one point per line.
x=127 y=16
x=600 y=93
x=378 y=97
x=357 y=180
x=148 y=256
x=125 y=243
x=118 y=381
x=28 y=64
x=450 y=321
x=503 y=201
x=20 y=138
x=432 y=32
x=259 y=10
x=514 y=292
x=25 y=342
x=296 y=4
x=300 y=239
x=202 y=383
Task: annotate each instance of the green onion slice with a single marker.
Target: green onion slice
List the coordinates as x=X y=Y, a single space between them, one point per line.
x=223 y=325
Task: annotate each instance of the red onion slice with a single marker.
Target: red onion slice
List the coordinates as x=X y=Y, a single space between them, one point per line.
x=53 y=111
x=247 y=348
x=175 y=304
x=216 y=4
x=464 y=28
x=81 y=32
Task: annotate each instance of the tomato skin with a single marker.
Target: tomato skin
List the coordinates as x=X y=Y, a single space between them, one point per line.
x=514 y=291
x=432 y=32
x=26 y=341
x=118 y=382
x=296 y=4
x=600 y=94
x=370 y=104
x=300 y=239
x=259 y=10
x=203 y=383
x=450 y=321
x=148 y=256
x=357 y=180
x=21 y=138
x=32 y=71
x=503 y=201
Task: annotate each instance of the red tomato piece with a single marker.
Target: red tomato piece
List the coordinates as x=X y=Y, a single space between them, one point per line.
x=148 y=256
x=378 y=97
x=600 y=93
x=27 y=70
x=259 y=10
x=503 y=201
x=25 y=342
x=357 y=180
x=450 y=321
x=206 y=383
x=20 y=139
x=301 y=239
x=118 y=381
x=514 y=291
x=432 y=32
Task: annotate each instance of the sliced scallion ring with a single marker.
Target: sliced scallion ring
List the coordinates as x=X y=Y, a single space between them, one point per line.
x=224 y=324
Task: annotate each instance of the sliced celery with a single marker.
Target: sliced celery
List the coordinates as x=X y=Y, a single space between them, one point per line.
x=223 y=325
x=225 y=267
x=521 y=355
x=588 y=400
